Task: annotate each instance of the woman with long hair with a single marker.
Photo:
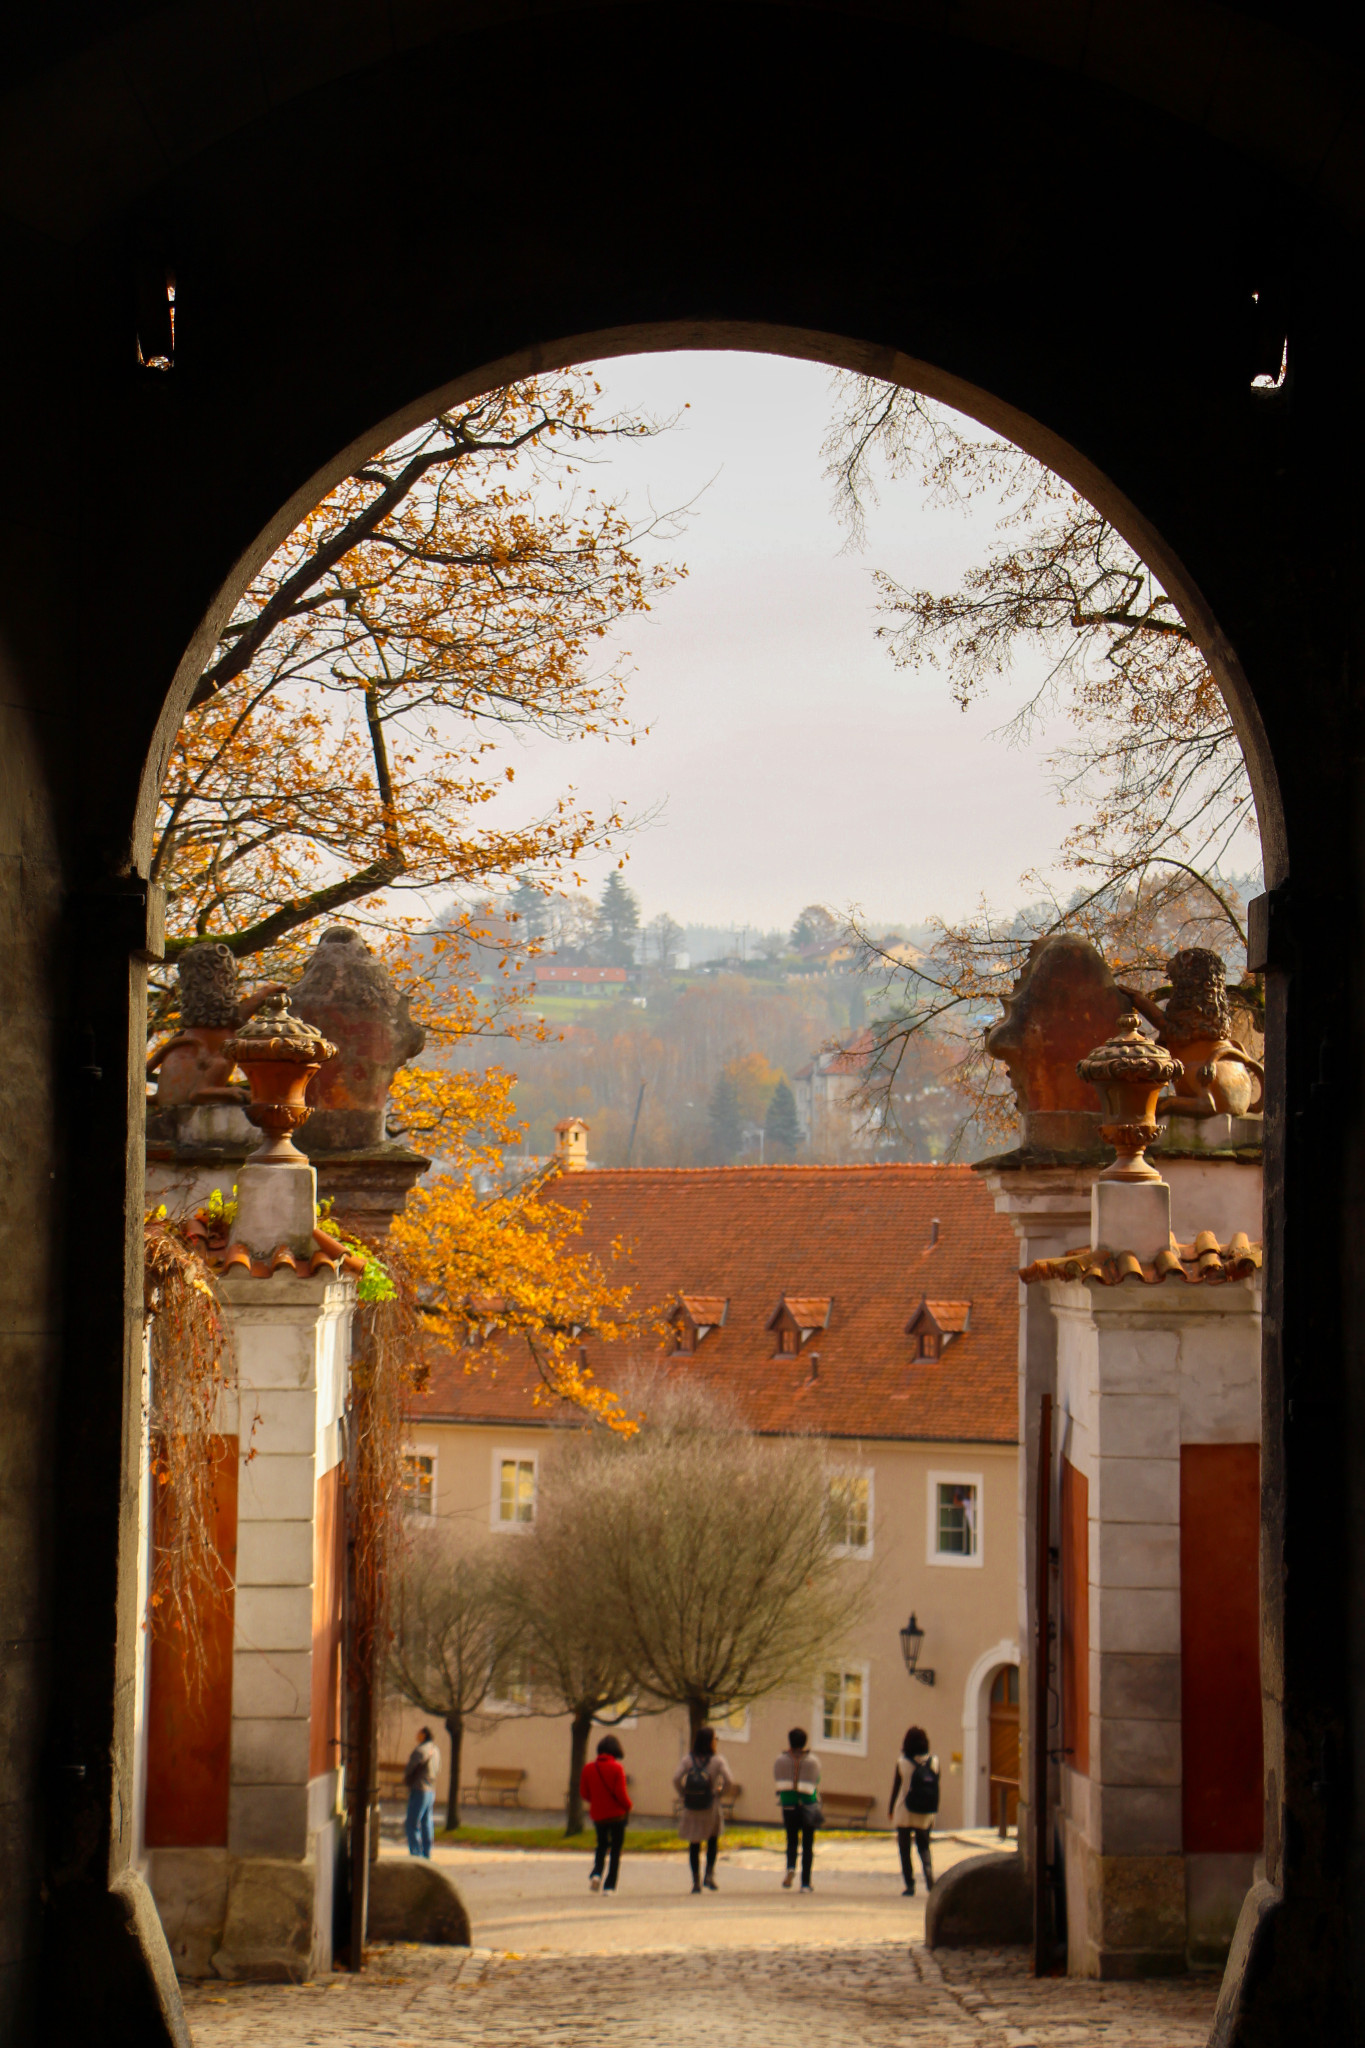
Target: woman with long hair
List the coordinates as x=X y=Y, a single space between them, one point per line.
x=914 y=1802
x=701 y=1781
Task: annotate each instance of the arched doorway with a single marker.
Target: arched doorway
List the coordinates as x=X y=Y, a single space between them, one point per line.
x=1004 y=1747
x=196 y=476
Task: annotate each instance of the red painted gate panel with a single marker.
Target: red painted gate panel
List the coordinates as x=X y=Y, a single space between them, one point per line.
x=1220 y=1646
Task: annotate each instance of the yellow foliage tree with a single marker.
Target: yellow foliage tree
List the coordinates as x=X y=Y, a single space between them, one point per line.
x=339 y=755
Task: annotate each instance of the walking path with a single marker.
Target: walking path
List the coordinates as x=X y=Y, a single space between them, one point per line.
x=751 y=1966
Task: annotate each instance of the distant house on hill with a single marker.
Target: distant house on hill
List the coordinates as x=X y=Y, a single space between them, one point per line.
x=582 y=981
x=875 y=1307
x=827 y=1107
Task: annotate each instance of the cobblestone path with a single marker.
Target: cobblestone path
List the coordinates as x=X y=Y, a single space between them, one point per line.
x=852 y=1995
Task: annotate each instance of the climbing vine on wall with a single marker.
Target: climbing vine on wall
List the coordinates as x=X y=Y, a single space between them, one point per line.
x=192 y=1366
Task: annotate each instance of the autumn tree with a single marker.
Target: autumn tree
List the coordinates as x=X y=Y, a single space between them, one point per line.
x=816 y=926
x=719 y=1580
x=454 y=1635
x=344 y=742
x=1154 y=764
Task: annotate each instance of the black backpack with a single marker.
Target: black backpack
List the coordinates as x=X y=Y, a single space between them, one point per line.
x=698 y=1791
x=923 y=1794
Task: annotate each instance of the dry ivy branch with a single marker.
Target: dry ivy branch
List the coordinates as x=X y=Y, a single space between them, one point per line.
x=191 y=1367
x=388 y=1366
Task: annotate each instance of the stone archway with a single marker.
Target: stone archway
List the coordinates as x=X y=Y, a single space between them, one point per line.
x=963 y=203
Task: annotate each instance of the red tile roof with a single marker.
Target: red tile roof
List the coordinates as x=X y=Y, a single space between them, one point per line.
x=859 y=1237
x=952 y=1317
x=707 y=1309
x=807 y=1311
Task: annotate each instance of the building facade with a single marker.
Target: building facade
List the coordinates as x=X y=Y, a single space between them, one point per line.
x=872 y=1307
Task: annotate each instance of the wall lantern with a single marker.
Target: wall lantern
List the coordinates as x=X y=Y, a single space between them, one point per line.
x=912 y=1639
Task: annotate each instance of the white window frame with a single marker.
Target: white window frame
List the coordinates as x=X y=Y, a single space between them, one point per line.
x=516 y=1456
x=423 y=1451
x=953 y=1558
x=834 y=1745
x=867 y=1472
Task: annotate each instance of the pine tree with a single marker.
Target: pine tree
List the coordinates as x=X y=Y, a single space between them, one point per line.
x=727 y=1125
x=619 y=910
x=781 y=1130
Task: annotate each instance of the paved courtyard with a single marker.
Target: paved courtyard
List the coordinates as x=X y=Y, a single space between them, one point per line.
x=749 y=1967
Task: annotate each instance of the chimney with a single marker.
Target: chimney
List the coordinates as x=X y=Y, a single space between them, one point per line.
x=571 y=1145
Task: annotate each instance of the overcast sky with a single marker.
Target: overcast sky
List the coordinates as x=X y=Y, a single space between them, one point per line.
x=788 y=760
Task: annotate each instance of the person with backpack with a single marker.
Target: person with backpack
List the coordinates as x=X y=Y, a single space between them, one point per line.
x=603 y=1785
x=702 y=1780
x=797 y=1772
x=419 y=1777
x=914 y=1802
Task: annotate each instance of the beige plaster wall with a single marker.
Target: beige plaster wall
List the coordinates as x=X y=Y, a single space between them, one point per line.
x=966 y=1611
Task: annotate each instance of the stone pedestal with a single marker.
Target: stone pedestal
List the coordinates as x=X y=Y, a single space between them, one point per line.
x=259 y=1903
x=1049 y=1207
x=1158 y=1408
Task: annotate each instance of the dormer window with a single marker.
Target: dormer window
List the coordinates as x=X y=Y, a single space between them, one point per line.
x=935 y=1325
x=797 y=1318
x=694 y=1318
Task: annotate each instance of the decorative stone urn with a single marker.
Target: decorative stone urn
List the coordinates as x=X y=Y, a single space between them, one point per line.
x=279 y=1056
x=1196 y=1025
x=1128 y=1072
x=1063 y=1003
x=347 y=994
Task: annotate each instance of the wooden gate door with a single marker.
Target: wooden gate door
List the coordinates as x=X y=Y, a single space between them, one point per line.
x=1005 y=1744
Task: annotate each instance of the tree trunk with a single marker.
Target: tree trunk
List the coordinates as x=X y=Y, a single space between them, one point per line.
x=578 y=1756
x=697 y=1711
x=455 y=1730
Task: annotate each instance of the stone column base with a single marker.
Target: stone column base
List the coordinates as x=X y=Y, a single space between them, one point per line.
x=1125 y=1915
x=262 y=1919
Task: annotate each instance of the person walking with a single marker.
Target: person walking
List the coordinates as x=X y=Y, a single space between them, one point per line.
x=603 y=1785
x=914 y=1802
x=702 y=1780
x=797 y=1774
x=419 y=1775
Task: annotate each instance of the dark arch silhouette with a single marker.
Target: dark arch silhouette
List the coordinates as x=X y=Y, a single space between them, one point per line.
x=1068 y=210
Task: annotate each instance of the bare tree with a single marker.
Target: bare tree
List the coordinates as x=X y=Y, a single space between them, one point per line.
x=664 y=939
x=553 y=1581
x=455 y=1634
x=1154 y=760
x=719 y=1578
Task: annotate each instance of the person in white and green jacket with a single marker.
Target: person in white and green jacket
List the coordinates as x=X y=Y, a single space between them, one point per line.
x=797 y=1773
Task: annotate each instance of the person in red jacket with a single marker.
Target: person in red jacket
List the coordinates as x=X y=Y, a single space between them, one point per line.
x=603 y=1785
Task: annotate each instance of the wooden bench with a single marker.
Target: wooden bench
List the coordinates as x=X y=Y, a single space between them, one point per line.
x=388 y=1781
x=496 y=1786
x=847 y=1809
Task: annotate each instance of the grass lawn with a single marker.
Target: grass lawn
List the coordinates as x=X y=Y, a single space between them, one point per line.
x=637 y=1839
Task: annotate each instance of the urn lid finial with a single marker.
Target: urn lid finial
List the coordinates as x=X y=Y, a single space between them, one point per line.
x=1129 y=1055
x=274 y=1034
